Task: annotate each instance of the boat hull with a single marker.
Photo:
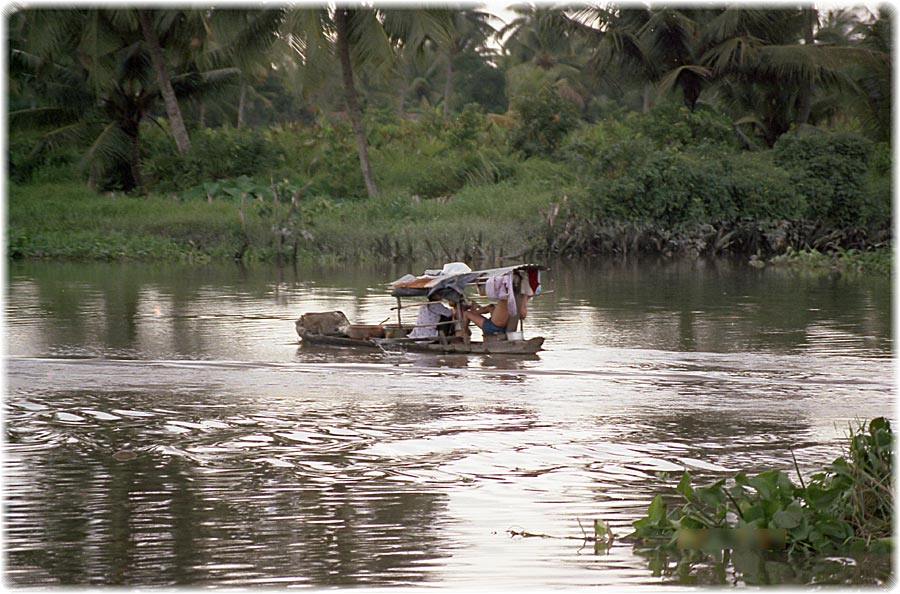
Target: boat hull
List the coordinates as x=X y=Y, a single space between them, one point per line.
x=500 y=347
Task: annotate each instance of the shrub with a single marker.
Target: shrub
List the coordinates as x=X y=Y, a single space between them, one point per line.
x=829 y=169
x=439 y=177
x=676 y=126
x=216 y=153
x=878 y=205
x=463 y=133
x=761 y=190
x=27 y=160
x=336 y=162
x=544 y=120
x=667 y=188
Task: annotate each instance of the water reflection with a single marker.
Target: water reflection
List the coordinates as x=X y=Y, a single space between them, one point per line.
x=755 y=568
x=164 y=427
x=211 y=498
x=166 y=312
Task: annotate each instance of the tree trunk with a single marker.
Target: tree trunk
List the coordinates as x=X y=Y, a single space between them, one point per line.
x=404 y=88
x=202 y=122
x=807 y=88
x=448 y=86
x=242 y=103
x=341 y=16
x=182 y=140
x=131 y=126
x=648 y=100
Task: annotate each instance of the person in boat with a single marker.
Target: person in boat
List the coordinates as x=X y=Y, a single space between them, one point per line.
x=511 y=304
x=434 y=318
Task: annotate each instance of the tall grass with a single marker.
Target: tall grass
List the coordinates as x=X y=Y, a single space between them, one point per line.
x=66 y=220
x=480 y=223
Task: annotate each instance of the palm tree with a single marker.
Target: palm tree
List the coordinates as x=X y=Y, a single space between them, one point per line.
x=148 y=20
x=872 y=38
x=247 y=39
x=618 y=55
x=543 y=50
x=779 y=81
x=766 y=65
x=101 y=55
x=469 y=30
x=418 y=73
x=359 y=37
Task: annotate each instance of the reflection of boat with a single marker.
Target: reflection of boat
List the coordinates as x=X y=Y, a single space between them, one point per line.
x=451 y=282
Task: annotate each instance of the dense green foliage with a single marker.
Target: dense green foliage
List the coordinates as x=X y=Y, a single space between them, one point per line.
x=848 y=506
x=829 y=171
x=671 y=181
x=544 y=120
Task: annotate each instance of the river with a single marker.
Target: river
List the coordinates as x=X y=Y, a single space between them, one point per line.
x=164 y=426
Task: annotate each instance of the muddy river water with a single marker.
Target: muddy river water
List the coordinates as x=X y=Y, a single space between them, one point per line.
x=164 y=426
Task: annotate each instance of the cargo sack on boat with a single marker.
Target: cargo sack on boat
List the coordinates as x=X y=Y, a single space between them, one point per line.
x=330 y=323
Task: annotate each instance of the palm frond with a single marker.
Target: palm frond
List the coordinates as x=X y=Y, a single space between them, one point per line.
x=73 y=133
x=669 y=33
x=370 y=45
x=97 y=47
x=50 y=31
x=39 y=117
x=310 y=24
x=734 y=22
x=309 y=35
x=791 y=64
x=732 y=55
x=415 y=27
x=111 y=148
x=754 y=121
x=677 y=76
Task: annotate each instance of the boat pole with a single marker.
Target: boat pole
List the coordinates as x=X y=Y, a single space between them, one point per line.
x=399 y=309
x=460 y=322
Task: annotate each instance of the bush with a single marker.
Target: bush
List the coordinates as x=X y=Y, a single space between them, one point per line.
x=670 y=189
x=27 y=162
x=216 y=153
x=676 y=126
x=335 y=162
x=761 y=190
x=439 y=177
x=463 y=133
x=829 y=169
x=544 y=120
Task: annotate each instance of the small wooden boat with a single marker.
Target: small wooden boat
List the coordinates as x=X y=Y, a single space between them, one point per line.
x=333 y=328
x=493 y=347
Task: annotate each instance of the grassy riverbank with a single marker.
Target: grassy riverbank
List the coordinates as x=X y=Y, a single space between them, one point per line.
x=67 y=221
x=670 y=183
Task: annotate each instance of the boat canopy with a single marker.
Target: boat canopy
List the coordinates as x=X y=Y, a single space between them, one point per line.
x=450 y=283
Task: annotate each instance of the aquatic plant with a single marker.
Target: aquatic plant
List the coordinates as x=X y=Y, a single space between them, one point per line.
x=847 y=507
x=878 y=260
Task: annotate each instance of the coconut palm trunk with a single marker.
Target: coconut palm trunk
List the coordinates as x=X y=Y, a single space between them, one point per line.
x=448 y=86
x=182 y=140
x=341 y=18
x=242 y=103
x=807 y=87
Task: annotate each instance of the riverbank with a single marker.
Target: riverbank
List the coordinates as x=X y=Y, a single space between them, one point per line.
x=669 y=183
x=69 y=222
